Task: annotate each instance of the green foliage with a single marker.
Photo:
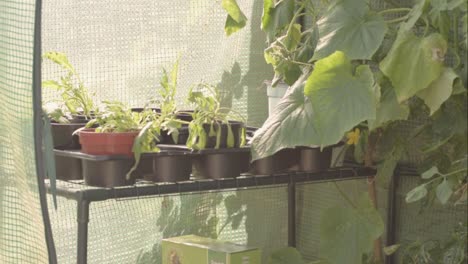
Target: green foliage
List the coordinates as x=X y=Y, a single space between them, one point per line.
x=235 y=19
x=349 y=26
x=116 y=117
x=208 y=111
x=388 y=109
x=153 y=123
x=444 y=183
x=384 y=71
x=414 y=62
x=291 y=124
x=74 y=95
x=276 y=16
x=332 y=80
x=346 y=234
x=439 y=90
x=452 y=251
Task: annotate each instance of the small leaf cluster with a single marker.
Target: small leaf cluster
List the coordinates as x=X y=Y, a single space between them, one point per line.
x=208 y=111
x=75 y=97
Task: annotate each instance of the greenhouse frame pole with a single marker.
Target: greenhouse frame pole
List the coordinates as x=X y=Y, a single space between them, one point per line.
x=292 y=214
x=83 y=220
x=38 y=132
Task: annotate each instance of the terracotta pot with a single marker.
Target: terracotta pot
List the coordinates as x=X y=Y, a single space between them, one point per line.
x=107 y=143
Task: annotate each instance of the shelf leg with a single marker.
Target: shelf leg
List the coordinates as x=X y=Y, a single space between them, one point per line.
x=292 y=214
x=392 y=215
x=83 y=220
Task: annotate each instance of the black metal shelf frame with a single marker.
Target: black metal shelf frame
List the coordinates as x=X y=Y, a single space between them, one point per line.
x=85 y=195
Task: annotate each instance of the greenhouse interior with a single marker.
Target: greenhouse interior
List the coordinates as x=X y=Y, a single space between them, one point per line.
x=233 y=131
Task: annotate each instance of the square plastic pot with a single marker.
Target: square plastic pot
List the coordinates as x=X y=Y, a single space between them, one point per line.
x=282 y=161
x=172 y=164
x=221 y=163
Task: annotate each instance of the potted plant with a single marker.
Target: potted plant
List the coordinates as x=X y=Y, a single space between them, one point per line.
x=168 y=163
x=68 y=113
x=75 y=106
x=107 y=149
x=217 y=133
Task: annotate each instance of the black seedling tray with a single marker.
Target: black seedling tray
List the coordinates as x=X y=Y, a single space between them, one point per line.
x=101 y=170
x=169 y=165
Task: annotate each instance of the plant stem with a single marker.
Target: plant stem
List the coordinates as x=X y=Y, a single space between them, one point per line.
x=394 y=10
x=297 y=14
x=301 y=63
x=455 y=40
x=396 y=20
x=344 y=195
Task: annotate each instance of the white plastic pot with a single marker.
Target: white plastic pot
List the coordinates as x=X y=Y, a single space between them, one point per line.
x=275 y=94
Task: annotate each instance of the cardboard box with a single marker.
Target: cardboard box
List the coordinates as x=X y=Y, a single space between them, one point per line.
x=200 y=250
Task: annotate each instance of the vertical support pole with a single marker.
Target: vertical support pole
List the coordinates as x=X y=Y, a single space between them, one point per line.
x=38 y=131
x=292 y=214
x=83 y=220
x=392 y=215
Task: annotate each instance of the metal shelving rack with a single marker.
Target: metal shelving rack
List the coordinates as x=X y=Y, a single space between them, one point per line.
x=84 y=195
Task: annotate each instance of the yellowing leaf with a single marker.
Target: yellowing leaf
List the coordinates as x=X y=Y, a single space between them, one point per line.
x=413 y=63
x=439 y=90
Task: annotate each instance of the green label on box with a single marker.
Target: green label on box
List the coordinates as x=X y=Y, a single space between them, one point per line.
x=200 y=250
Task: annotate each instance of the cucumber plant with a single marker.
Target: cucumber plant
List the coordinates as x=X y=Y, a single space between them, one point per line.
x=397 y=72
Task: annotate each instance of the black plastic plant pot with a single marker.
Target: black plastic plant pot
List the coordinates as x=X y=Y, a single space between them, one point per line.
x=236 y=131
x=171 y=164
x=282 y=161
x=185 y=115
x=100 y=170
x=62 y=135
x=221 y=163
x=314 y=159
x=82 y=119
x=140 y=109
x=68 y=169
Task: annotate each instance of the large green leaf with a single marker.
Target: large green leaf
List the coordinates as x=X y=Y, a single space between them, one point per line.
x=350 y=26
x=276 y=15
x=413 y=63
x=291 y=124
x=341 y=96
x=439 y=90
x=236 y=20
x=388 y=109
x=346 y=234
